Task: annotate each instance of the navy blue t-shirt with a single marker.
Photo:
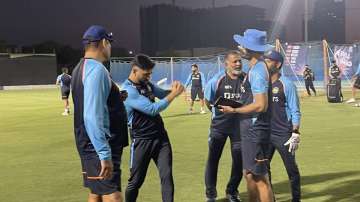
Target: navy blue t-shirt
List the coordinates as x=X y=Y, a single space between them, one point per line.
x=197 y=80
x=222 y=85
x=285 y=107
x=143 y=111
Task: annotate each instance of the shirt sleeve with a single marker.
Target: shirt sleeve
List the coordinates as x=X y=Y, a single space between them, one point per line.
x=292 y=100
x=96 y=91
x=210 y=91
x=259 y=79
x=141 y=103
x=203 y=80
x=58 y=79
x=159 y=92
x=188 y=80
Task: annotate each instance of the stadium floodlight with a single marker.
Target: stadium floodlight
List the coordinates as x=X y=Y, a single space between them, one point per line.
x=282 y=14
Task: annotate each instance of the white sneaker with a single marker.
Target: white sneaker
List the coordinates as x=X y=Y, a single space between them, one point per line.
x=202 y=112
x=351 y=100
x=65 y=114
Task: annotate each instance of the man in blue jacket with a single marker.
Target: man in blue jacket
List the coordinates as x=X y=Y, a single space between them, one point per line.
x=150 y=140
x=227 y=84
x=197 y=80
x=99 y=118
x=285 y=120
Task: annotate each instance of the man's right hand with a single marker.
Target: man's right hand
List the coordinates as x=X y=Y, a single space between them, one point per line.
x=106 y=169
x=177 y=88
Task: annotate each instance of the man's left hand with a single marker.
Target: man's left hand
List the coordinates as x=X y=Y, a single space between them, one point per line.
x=293 y=143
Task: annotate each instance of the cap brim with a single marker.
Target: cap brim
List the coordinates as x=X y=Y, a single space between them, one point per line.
x=248 y=45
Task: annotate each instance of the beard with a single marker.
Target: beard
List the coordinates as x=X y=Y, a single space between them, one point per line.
x=236 y=72
x=273 y=70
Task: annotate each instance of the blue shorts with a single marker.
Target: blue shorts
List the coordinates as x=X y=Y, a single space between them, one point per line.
x=255 y=145
x=65 y=92
x=197 y=92
x=91 y=167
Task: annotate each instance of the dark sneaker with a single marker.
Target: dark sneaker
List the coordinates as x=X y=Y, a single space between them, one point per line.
x=210 y=199
x=233 y=197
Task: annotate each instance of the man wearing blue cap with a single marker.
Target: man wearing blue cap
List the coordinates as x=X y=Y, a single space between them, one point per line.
x=255 y=126
x=100 y=120
x=285 y=121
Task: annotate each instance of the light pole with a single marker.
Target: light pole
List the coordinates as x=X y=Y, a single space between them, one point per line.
x=306 y=19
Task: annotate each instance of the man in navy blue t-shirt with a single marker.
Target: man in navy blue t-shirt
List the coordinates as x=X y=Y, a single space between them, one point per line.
x=285 y=120
x=150 y=139
x=64 y=80
x=99 y=118
x=197 y=81
x=227 y=84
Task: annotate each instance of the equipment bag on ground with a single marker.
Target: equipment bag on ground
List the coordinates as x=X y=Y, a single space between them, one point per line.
x=334 y=94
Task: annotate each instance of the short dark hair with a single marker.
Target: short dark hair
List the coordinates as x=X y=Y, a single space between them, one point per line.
x=93 y=44
x=232 y=52
x=195 y=65
x=142 y=61
x=64 y=70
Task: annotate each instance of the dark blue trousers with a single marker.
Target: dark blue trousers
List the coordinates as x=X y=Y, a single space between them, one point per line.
x=277 y=143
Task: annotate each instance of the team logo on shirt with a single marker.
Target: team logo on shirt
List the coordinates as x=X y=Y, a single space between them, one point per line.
x=275 y=90
x=232 y=96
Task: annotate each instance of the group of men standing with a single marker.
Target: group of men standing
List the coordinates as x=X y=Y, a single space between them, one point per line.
x=269 y=120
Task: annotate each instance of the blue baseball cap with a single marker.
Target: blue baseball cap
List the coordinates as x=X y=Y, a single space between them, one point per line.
x=275 y=56
x=254 y=40
x=96 y=33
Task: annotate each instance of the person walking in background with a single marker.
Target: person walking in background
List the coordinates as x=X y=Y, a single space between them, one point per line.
x=355 y=82
x=64 y=81
x=197 y=80
x=309 y=78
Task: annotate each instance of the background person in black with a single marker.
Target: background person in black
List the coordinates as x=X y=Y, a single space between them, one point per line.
x=285 y=121
x=228 y=84
x=150 y=140
x=64 y=80
x=309 y=77
x=334 y=70
x=197 y=81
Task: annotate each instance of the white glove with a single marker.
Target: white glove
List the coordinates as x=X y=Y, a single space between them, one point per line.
x=293 y=143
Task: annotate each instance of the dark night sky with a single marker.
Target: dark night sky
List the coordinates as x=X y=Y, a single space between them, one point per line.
x=24 y=22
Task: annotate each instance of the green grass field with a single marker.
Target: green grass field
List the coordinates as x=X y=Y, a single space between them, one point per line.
x=39 y=161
